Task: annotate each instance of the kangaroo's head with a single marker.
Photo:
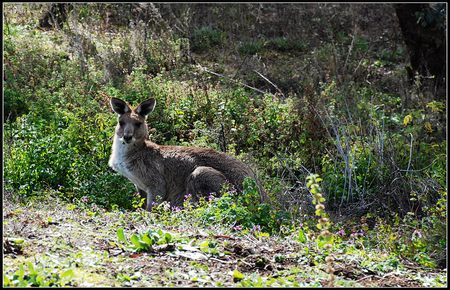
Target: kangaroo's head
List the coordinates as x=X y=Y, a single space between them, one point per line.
x=132 y=128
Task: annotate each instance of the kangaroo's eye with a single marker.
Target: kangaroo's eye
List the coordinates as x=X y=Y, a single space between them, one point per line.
x=121 y=123
x=137 y=125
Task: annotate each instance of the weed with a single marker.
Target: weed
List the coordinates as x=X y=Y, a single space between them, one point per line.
x=251 y=48
x=144 y=241
x=205 y=38
x=38 y=275
x=326 y=239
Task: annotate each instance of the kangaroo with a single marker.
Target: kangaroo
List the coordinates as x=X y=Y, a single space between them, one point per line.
x=167 y=173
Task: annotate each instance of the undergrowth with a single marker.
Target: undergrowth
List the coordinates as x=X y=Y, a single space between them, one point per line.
x=378 y=142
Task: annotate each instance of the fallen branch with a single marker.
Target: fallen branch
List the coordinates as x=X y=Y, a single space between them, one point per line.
x=274 y=85
x=221 y=261
x=235 y=81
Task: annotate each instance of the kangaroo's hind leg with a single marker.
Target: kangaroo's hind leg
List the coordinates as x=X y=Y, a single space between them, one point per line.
x=143 y=195
x=203 y=181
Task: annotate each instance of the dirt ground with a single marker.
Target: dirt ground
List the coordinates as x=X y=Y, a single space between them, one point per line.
x=63 y=236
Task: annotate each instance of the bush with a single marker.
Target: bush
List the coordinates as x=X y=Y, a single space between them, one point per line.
x=67 y=152
x=283 y=44
x=251 y=48
x=205 y=38
x=31 y=66
x=378 y=154
x=243 y=210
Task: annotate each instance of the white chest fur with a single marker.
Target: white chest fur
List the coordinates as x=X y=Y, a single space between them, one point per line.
x=118 y=161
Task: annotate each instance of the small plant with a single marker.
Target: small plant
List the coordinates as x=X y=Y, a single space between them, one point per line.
x=209 y=247
x=243 y=212
x=237 y=276
x=206 y=37
x=145 y=241
x=283 y=44
x=251 y=48
x=30 y=275
x=325 y=239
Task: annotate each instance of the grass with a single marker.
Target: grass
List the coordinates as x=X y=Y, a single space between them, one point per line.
x=49 y=242
x=61 y=140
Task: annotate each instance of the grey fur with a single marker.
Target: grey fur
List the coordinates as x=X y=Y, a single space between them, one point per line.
x=168 y=173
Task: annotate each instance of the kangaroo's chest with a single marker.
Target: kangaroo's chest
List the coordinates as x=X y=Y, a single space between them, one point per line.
x=120 y=162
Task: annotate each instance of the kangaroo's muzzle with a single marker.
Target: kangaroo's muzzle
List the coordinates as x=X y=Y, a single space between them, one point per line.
x=127 y=138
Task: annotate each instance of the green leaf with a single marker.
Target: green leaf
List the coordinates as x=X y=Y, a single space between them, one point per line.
x=154 y=235
x=147 y=240
x=204 y=246
x=6 y=281
x=136 y=242
x=40 y=280
x=121 y=236
x=18 y=241
x=168 y=237
x=407 y=119
x=20 y=272
x=31 y=268
x=301 y=236
x=320 y=243
x=69 y=274
x=436 y=106
x=237 y=276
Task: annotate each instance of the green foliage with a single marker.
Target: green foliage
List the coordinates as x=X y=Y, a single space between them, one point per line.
x=205 y=38
x=361 y=43
x=326 y=239
x=144 y=241
x=31 y=66
x=67 y=152
x=241 y=210
x=38 y=275
x=387 y=143
x=209 y=247
x=283 y=44
x=378 y=149
x=258 y=281
x=251 y=47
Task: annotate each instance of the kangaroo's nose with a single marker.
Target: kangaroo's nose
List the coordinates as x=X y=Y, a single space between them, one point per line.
x=127 y=138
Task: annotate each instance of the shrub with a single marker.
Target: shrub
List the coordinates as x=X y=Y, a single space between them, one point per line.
x=284 y=44
x=205 y=38
x=32 y=63
x=377 y=151
x=68 y=152
x=243 y=210
x=251 y=48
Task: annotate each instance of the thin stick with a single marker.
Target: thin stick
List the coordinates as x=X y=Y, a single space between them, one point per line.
x=410 y=152
x=238 y=82
x=274 y=85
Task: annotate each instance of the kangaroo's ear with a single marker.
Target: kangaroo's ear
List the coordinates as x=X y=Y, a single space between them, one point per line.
x=146 y=107
x=119 y=106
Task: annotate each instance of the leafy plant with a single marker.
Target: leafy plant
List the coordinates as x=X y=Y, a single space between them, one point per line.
x=209 y=247
x=241 y=209
x=205 y=38
x=284 y=44
x=37 y=275
x=251 y=48
x=144 y=241
x=325 y=239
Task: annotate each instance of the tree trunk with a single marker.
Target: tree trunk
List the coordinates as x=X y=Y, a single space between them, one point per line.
x=55 y=16
x=423 y=27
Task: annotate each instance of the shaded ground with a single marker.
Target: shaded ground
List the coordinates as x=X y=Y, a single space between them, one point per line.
x=56 y=237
